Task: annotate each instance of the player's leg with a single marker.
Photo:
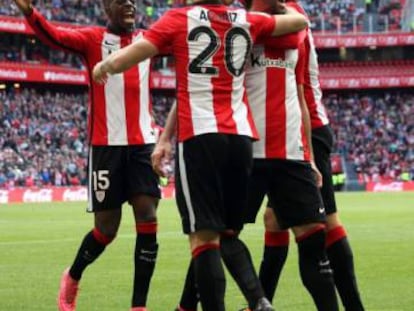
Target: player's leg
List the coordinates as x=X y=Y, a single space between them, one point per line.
x=337 y=245
x=189 y=297
x=298 y=205
x=146 y=247
x=276 y=246
x=235 y=254
x=199 y=162
x=143 y=193
x=106 y=198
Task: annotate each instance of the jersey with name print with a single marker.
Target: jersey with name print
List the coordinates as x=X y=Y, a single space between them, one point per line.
x=120 y=110
x=211 y=44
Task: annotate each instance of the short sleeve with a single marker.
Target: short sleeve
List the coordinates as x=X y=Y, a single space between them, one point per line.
x=262 y=25
x=300 y=66
x=289 y=41
x=161 y=32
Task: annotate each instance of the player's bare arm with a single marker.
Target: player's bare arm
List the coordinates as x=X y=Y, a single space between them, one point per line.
x=124 y=59
x=163 y=148
x=292 y=21
x=25 y=6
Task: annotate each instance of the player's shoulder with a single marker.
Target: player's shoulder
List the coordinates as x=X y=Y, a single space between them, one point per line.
x=91 y=31
x=296 y=6
x=258 y=14
x=176 y=12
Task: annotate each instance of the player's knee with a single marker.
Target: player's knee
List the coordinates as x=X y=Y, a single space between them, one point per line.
x=304 y=231
x=104 y=237
x=270 y=221
x=145 y=208
x=107 y=223
x=204 y=237
x=332 y=221
x=229 y=234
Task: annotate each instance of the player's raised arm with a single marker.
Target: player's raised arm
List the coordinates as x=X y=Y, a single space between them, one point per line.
x=48 y=33
x=292 y=21
x=124 y=59
x=25 y=6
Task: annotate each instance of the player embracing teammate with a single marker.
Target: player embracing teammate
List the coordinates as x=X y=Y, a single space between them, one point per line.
x=211 y=44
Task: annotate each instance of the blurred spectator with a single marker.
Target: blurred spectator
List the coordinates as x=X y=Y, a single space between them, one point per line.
x=329 y=15
x=375 y=133
x=42 y=137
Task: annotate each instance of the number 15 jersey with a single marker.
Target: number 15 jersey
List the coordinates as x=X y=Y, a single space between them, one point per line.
x=211 y=44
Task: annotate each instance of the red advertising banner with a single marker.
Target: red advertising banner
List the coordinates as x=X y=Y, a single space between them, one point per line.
x=364 y=40
x=56 y=194
x=160 y=81
x=392 y=186
x=42 y=73
x=18 y=72
x=380 y=81
x=19 y=25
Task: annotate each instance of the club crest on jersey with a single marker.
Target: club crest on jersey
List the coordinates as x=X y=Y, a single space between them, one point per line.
x=206 y=15
x=260 y=61
x=100 y=195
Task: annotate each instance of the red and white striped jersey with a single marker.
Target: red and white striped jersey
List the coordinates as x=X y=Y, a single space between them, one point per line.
x=271 y=82
x=211 y=44
x=120 y=110
x=312 y=87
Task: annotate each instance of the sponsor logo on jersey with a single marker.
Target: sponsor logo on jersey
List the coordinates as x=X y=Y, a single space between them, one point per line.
x=260 y=61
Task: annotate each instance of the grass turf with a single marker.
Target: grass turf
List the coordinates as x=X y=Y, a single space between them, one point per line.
x=37 y=241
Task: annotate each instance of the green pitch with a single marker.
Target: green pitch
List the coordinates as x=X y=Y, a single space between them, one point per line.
x=37 y=241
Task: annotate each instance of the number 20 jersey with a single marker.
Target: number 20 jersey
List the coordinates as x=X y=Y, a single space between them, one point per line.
x=211 y=44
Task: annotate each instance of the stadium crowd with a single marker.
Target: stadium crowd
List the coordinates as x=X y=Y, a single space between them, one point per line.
x=42 y=138
x=330 y=15
x=375 y=133
x=43 y=135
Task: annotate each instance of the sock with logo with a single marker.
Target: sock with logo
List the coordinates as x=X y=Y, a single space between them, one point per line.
x=92 y=246
x=146 y=250
x=315 y=270
x=341 y=259
x=238 y=261
x=189 y=296
x=209 y=276
x=276 y=246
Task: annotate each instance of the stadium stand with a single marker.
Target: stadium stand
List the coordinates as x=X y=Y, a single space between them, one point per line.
x=375 y=133
x=42 y=138
x=331 y=15
x=43 y=133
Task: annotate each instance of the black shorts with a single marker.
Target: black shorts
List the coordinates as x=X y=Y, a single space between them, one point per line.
x=116 y=173
x=322 y=141
x=291 y=189
x=212 y=172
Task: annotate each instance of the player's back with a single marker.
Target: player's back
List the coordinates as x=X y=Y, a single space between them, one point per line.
x=211 y=44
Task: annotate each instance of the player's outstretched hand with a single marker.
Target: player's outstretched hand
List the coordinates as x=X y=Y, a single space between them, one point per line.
x=25 y=6
x=98 y=74
x=162 y=151
x=318 y=175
